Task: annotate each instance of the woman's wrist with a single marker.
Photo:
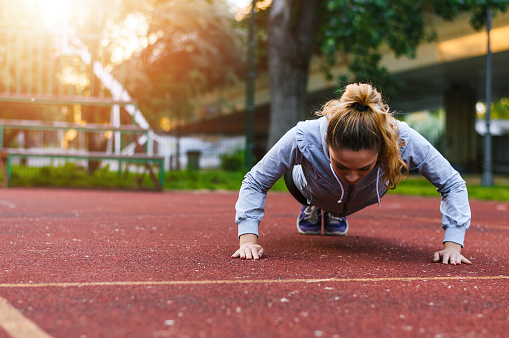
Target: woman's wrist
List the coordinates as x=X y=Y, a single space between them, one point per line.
x=452 y=245
x=248 y=238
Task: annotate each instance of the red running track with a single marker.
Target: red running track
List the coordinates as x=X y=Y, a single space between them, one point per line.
x=146 y=264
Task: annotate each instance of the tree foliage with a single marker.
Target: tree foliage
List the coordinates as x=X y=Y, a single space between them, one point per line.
x=357 y=30
x=499 y=110
x=195 y=47
x=477 y=9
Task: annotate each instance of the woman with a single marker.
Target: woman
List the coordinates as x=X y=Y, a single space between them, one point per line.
x=345 y=161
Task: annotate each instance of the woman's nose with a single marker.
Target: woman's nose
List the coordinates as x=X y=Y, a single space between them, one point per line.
x=352 y=176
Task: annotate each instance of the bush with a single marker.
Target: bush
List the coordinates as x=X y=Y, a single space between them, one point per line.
x=70 y=175
x=234 y=161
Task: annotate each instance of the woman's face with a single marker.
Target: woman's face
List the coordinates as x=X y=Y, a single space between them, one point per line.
x=352 y=166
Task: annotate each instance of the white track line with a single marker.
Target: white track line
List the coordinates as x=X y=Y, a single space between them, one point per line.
x=251 y=281
x=17 y=325
x=8 y=204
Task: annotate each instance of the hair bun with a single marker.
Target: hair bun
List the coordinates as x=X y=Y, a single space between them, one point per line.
x=360 y=107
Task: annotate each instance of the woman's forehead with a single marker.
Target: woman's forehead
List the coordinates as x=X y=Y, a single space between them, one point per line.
x=353 y=159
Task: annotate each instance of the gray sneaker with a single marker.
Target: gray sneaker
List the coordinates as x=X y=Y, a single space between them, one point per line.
x=310 y=220
x=334 y=226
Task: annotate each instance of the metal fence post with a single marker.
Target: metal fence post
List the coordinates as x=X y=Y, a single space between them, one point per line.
x=487 y=177
x=250 y=83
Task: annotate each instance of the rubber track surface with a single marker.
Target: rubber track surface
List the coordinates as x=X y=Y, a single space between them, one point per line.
x=79 y=263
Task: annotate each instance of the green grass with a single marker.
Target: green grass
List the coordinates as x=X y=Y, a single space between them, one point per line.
x=70 y=175
x=210 y=180
x=204 y=179
x=419 y=186
x=414 y=184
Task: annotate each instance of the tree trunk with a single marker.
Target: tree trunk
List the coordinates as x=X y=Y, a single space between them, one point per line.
x=291 y=32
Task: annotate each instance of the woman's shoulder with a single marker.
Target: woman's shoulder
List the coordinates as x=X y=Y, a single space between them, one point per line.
x=311 y=123
x=404 y=130
x=313 y=127
x=310 y=136
x=311 y=131
x=402 y=126
x=413 y=142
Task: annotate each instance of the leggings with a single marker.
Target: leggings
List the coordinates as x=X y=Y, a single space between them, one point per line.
x=292 y=188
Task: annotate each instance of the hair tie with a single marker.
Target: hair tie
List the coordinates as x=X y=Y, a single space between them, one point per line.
x=361 y=107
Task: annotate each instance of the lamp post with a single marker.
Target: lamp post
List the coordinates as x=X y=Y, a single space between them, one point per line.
x=250 y=89
x=487 y=177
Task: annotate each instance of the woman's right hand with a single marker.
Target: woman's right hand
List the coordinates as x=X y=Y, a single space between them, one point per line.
x=249 y=248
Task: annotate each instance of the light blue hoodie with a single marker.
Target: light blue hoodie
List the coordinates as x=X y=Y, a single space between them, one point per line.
x=305 y=144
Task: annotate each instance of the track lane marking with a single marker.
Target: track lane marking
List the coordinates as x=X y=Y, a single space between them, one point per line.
x=399 y=217
x=496 y=226
x=252 y=281
x=17 y=325
x=7 y=204
x=439 y=220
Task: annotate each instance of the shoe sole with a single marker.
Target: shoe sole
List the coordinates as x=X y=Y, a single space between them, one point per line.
x=334 y=233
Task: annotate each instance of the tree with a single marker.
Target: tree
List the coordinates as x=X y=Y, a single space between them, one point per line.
x=194 y=47
x=291 y=33
x=353 y=30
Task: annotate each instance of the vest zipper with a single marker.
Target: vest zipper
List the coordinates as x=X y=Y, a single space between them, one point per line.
x=348 y=196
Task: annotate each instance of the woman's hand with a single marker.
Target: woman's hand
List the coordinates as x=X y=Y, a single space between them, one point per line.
x=450 y=254
x=249 y=248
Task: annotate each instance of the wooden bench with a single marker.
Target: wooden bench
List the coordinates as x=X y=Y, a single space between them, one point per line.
x=7 y=154
x=55 y=125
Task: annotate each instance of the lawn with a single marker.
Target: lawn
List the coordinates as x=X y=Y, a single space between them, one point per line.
x=75 y=177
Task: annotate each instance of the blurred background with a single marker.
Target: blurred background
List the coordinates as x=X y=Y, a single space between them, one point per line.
x=216 y=83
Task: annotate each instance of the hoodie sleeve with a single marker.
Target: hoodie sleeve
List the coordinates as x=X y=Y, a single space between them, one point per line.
x=420 y=155
x=250 y=206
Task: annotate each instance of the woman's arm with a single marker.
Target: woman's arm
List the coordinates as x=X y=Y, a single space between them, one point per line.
x=250 y=206
x=420 y=155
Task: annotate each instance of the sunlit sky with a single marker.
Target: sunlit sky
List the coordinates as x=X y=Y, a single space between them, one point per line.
x=236 y=4
x=241 y=8
x=55 y=12
x=52 y=12
x=54 y=16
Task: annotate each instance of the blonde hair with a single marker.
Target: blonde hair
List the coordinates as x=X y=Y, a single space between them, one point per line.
x=360 y=120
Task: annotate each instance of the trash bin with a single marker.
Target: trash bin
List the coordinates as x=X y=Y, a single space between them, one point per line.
x=193 y=160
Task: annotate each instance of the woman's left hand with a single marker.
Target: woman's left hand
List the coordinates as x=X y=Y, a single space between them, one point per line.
x=450 y=254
